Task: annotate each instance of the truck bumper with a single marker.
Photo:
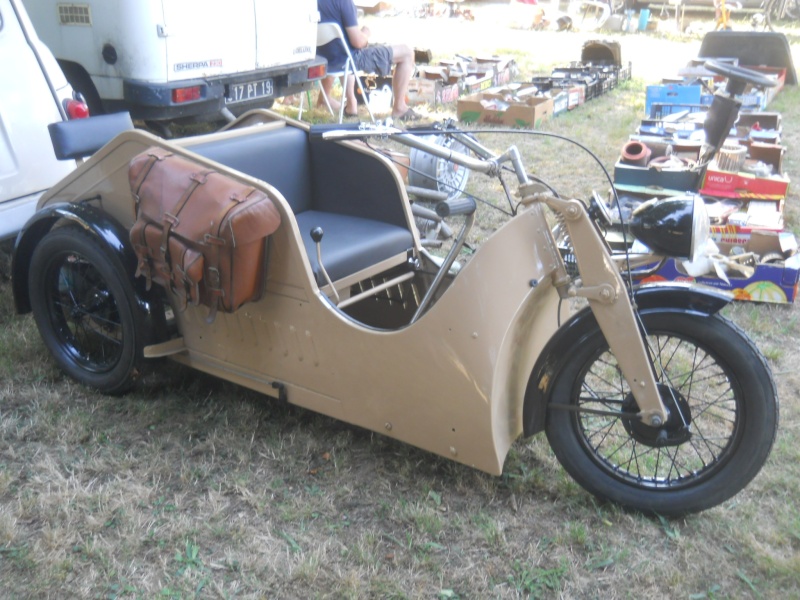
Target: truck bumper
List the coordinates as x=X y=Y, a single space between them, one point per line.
x=206 y=97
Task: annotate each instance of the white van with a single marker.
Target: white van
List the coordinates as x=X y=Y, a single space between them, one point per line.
x=166 y=60
x=33 y=94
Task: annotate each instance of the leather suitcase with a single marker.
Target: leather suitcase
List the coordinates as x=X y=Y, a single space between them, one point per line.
x=199 y=233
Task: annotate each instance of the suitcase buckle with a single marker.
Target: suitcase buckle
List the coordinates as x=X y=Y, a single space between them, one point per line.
x=213 y=240
x=214 y=280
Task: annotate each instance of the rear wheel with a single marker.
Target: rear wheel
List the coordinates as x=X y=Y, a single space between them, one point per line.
x=723 y=417
x=84 y=307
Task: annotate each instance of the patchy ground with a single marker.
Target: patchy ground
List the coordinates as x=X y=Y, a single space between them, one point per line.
x=192 y=487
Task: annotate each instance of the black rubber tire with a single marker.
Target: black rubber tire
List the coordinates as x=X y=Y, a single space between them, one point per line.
x=84 y=307
x=734 y=417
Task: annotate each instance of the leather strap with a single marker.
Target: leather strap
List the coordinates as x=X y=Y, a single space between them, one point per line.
x=215 y=241
x=152 y=159
x=170 y=220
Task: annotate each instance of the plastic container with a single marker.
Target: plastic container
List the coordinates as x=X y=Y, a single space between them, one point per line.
x=644 y=17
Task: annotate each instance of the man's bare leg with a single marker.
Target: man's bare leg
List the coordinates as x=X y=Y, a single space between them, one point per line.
x=327 y=86
x=403 y=58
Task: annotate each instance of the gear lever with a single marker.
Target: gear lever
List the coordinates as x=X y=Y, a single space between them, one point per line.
x=316 y=236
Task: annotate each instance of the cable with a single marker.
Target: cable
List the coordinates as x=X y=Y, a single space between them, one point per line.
x=505 y=131
x=488 y=203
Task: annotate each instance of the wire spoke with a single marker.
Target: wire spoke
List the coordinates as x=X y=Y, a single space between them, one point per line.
x=702 y=393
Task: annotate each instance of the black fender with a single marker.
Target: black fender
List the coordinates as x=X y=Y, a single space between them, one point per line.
x=669 y=297
x=108 y=232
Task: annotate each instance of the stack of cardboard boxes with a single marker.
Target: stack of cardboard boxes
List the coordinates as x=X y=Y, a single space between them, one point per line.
x=744 y=186
x=525 y=105
x=446 y=81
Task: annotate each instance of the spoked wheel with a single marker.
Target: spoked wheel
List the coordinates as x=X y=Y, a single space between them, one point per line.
x=723 y=417
x=84 y=305
x=780 y=13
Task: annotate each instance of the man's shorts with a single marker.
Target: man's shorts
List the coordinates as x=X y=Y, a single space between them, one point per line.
x=374 y=59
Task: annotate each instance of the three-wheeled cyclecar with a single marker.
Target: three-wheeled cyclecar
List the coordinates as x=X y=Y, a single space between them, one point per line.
x=284 y=257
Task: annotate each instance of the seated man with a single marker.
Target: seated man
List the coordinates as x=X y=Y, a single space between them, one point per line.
x=368 y=58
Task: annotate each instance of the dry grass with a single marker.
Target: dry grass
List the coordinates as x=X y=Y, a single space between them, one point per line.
x=192 y=487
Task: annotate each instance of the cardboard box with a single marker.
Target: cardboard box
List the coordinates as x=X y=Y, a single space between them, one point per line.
x=724 y=184
x=735 y=235
x=774 y=283
x=502 y=68
x=472 y=84
x=433 y=92
x=768 y=123
x=576 y=96
x=483 y=108
x=661 y=180
x=776 y=73
x=560 y=101
x=664 y=181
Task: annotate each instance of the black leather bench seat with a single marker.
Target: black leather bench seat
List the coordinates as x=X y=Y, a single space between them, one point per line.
x=349 y=194
x=350 y=244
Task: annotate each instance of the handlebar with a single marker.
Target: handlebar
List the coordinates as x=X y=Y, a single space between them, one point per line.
x=341 y=131
x=456 y=206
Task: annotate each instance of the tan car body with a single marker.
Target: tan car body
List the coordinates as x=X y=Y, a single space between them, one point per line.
x=453 y=382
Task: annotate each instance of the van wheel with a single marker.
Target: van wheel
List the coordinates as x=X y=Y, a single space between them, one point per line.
x=83 y=304
x=81 y=82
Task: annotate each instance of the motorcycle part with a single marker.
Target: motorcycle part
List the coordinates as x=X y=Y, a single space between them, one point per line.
x=85 y=308
x=723 y=417
x=652 y=297
x=434 y=173
x=316 y=236
x=725 y=107
x=677 y=226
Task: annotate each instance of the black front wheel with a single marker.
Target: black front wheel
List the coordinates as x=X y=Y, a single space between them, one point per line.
x=84 y=307
x=723 y=417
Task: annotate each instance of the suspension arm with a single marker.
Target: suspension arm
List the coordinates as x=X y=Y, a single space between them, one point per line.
x=603 y=287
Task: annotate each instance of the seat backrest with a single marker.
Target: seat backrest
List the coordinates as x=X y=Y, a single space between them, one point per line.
x=354 y=183
x=281 y=157
x=327 y=32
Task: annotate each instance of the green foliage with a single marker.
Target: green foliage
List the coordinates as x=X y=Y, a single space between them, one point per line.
x=535 y=582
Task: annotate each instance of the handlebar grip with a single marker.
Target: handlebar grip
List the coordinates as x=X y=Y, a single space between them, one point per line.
x=456 y=206
x=315 y=131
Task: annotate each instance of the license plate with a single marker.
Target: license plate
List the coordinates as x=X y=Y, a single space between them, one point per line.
x=251 y=90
